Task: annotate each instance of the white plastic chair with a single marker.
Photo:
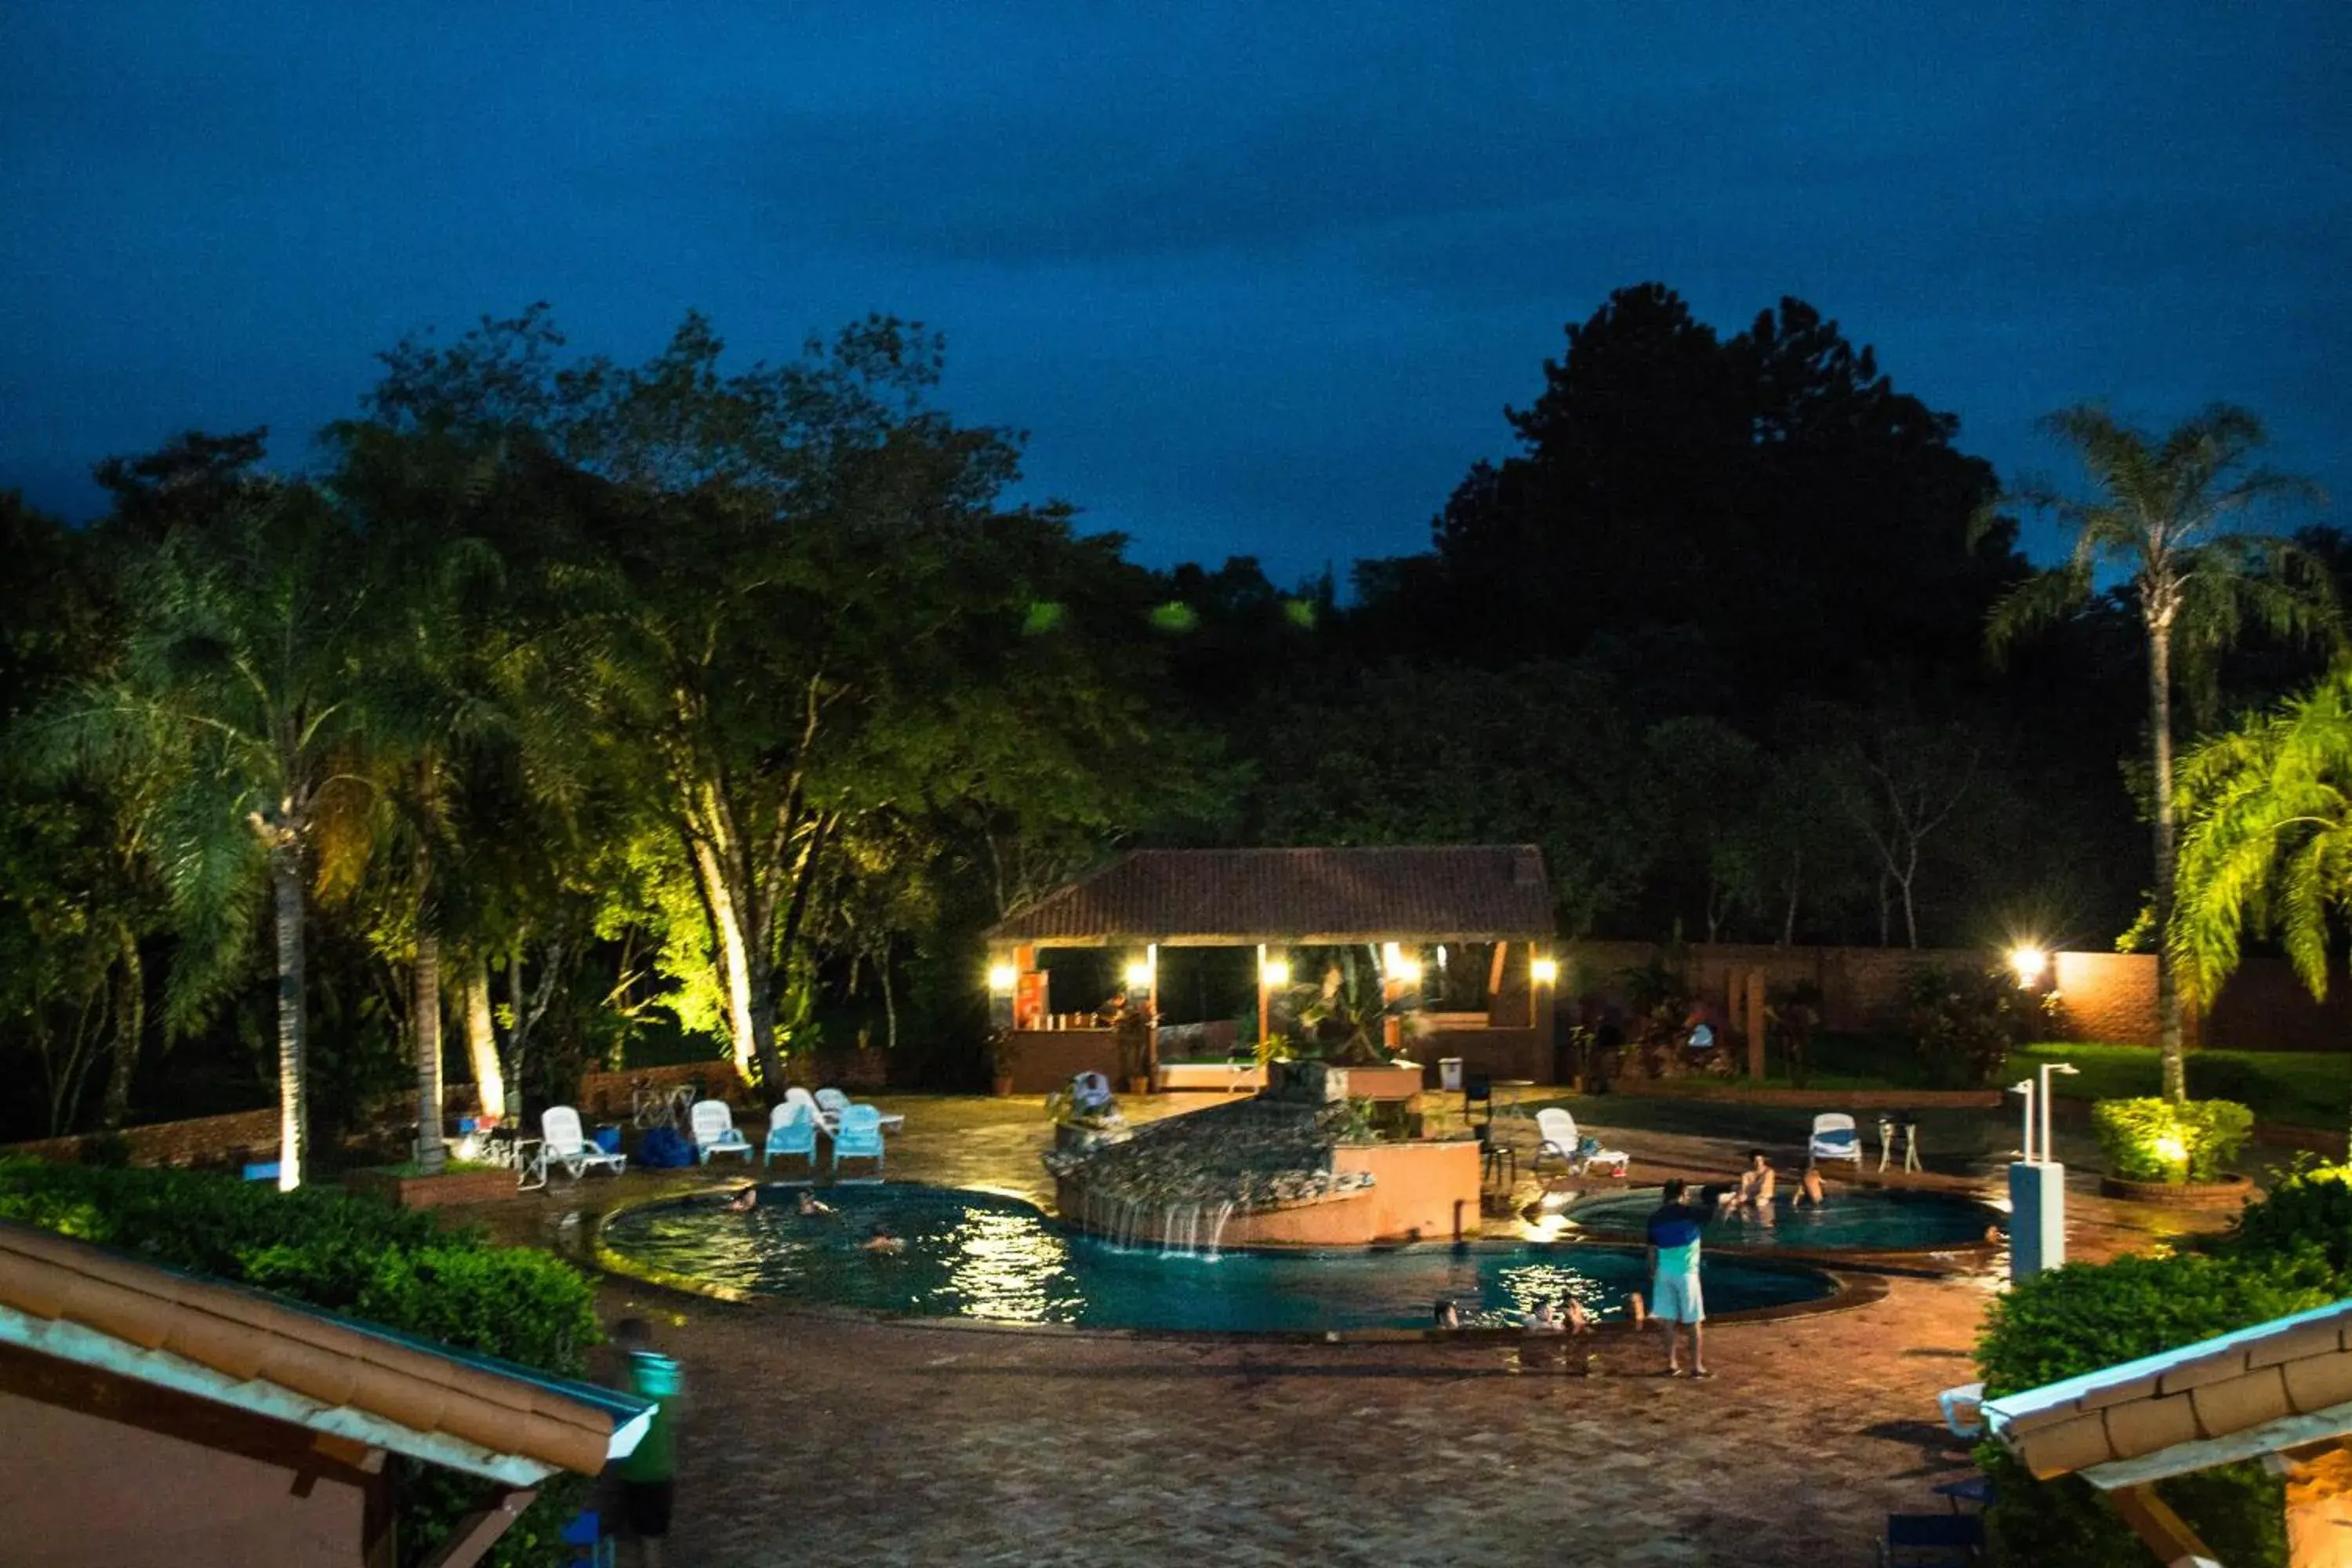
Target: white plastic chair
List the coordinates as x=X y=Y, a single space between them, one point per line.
x=830 y=1104
x=563 y=1142
x=1556 y=1134
x=792 y=1129
x=859 y=1136
x=1834 y=1138
x=714 y=1132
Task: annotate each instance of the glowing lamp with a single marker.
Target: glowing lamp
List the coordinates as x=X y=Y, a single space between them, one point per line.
x=2029 y=963
x=1002 y=978
x=1275 y=972
x=2171 y=1149
x=1405 y=971
x=1139 y=975
x=1544 y=971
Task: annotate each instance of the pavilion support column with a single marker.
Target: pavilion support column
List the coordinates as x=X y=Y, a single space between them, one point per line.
x=2175 y=1544
x=1003 y=980
x=1262 y=1009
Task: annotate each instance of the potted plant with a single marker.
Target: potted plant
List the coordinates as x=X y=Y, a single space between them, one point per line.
x=2162 y=1152
x=1132 y=1030
x=1004 y=1056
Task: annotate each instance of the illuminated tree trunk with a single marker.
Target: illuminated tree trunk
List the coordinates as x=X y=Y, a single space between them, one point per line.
x=129 y=1029
x=293 y=1083
x=2159 y=726
x=482 y=1036
x=431 y=1153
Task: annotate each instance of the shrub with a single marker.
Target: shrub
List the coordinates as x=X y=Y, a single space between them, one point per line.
x=2154 y=1140
x=2085 y=1317
x=2309 y=1207
x=1963 y=1023
x=395 y=1267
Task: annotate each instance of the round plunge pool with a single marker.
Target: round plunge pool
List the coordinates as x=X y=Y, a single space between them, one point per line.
x=981 y=1256
x=1871 y=1220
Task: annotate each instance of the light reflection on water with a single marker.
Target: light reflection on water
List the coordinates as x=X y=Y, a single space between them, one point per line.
x=977 y=1254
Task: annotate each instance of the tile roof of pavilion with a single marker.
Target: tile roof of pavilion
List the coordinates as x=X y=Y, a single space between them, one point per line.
x=68 y=1298
x=1231 y=898
x=2275 y=1386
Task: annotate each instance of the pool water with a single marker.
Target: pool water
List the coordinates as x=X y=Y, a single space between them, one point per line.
x=973 y=1254
x=1872 y=1221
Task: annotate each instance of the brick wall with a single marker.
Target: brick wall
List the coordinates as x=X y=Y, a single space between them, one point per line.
x=2104 y=997
x=1048 y=1058
x=205 y=1141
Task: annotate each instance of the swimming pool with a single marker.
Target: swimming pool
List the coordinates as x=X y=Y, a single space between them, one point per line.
x=979 y=1255
x=1866 y=1221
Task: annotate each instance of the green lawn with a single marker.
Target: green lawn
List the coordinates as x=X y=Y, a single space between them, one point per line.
x=2306 y=1088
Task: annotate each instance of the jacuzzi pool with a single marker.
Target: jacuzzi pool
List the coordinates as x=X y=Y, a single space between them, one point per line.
x=1872 y=1220
x=979 y=1255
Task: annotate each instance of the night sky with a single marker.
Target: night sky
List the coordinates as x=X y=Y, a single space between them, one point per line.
x=1256 y=278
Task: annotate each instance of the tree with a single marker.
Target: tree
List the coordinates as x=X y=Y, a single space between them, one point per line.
x=2266 y=840
x=243 y=637
x=2167 y=513
x=1766 y=510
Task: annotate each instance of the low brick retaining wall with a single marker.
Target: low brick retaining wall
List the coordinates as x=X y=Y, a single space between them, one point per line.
x=1813 y=1099
x=203 y=1140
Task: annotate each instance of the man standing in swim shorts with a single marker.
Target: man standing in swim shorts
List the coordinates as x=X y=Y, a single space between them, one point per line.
x=1674 y=1277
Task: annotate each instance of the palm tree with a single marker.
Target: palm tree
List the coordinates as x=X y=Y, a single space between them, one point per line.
x=2165 y=517
x=2267 y=844
x=240 y=660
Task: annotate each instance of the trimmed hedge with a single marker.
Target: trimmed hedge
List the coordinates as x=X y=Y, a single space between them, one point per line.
x=395 y=1267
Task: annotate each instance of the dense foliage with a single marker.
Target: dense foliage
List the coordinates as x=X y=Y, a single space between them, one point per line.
x=2159 y=1140
x=1964 y=1023
x=394 y=1267
x=624 y=712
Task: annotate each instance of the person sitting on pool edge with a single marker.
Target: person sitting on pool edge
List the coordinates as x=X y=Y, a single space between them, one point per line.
x=1808 y=1187
x=879 y=1239
x=1674 y=1232
x=1757 y=1182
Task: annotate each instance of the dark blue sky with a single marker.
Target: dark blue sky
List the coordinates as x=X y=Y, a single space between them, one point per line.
x=1257 y=278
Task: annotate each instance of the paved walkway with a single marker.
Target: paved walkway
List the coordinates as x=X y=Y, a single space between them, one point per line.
x=813 y=1438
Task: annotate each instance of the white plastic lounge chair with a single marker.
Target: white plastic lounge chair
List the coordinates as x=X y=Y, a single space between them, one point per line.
x=563 y=1142
x=859 y=1136
x=714 y=1132
x=792 y=1129
x=1960 y=1407
x=1556 y=1134
x=830 y=1104
x=1834 y=1138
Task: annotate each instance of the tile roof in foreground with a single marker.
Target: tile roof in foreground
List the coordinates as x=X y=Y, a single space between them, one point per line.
x=70 y=1299
x=2275 y=1386
x=1218 y=898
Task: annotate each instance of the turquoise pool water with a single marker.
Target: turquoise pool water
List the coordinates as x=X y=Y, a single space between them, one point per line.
x=977 y=1254
x=1873 y=1221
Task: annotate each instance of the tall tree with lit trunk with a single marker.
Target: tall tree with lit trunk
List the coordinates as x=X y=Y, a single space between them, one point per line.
x=2165 y=517
x=240 y=662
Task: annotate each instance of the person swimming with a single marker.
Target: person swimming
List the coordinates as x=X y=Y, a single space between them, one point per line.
x=813 y=1207
x=879 y=1239
x=743 y=1202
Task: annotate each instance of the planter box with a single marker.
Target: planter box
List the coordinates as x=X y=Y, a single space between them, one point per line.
x=432 y=1192
x=2226 y=1195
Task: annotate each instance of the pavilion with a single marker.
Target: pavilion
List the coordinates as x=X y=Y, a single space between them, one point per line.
x=1464 y=903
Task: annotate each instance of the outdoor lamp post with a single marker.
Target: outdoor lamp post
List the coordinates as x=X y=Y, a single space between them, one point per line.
x=2037 y=1188
x=2067 y=1069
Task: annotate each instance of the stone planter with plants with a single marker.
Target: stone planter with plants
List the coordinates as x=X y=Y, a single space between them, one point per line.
x=2159 y=1151
x=457 y=1182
